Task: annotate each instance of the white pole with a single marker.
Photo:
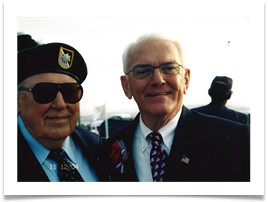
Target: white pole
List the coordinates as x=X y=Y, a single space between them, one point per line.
x=106 y=124
x=94 y=118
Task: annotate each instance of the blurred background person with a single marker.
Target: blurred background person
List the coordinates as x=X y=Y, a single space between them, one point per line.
x=220 y=92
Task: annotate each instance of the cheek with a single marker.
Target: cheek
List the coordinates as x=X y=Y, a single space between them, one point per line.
x=32 y=116
x=178 y=84
x=74 y=111
x=180 y=89
x=138 y=87
x=27 y=107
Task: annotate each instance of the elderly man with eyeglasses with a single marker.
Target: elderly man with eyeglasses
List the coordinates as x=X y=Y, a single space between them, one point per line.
x=166 y=141
x=50 y=145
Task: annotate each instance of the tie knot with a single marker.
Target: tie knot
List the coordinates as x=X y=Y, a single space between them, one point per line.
x=156 y=138
x=57 y=155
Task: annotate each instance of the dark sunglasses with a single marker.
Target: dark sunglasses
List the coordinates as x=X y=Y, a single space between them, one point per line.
x=44 y=93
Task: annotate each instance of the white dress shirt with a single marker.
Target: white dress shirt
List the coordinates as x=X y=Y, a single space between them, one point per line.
x=142 y=146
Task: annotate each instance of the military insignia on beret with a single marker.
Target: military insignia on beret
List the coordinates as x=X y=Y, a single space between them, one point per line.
x=221 y=82
x=65 y=58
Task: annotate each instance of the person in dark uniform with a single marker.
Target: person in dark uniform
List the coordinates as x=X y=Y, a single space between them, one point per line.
x=220 y=92
x=50 y=145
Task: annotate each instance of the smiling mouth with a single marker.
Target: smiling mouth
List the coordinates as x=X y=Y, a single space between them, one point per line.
x=157 y=94
x=58 y=118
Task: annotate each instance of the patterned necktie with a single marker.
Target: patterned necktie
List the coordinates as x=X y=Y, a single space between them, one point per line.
x=157 y=157
x=67 y=171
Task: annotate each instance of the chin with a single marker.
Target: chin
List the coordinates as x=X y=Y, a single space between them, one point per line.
x=159 y=111
x=60 y=134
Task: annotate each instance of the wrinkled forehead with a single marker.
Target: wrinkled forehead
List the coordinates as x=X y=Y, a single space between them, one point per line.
x=47 y=77
x=154 y=52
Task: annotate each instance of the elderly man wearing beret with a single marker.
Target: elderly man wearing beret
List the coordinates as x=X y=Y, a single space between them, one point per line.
x=50 y=145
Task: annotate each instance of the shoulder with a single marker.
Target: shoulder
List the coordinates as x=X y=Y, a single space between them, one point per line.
x=240 y=117
x=86 y=136
x=124 y=134
x=203 y=118
x=200 y=109
x=218 y=125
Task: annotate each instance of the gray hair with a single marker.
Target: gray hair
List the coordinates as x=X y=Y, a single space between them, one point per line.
x=147 y=37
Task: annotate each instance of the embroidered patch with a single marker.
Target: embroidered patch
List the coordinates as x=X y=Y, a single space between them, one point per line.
x=65 y=58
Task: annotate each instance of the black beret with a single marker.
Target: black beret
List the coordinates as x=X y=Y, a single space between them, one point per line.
x=26 y=41
x=51 y=58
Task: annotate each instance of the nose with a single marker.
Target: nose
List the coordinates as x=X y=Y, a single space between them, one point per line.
x=59 y=102
x=157 y=78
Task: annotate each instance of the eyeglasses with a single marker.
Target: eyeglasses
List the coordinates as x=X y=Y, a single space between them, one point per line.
x=147 y=71
x=44 y=93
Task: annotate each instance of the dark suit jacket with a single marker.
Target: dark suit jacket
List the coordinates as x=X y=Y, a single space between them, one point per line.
x=218 y=149
x=220 y=110
x=29 y=169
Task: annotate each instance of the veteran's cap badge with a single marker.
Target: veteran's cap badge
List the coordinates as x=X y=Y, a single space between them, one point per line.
x=65 y=58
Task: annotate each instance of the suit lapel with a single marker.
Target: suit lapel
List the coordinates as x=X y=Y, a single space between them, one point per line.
x=29 y=169
x=126 y=136
x=87 y=144
x=128 y=141
x=184 y=140
x=84 y=142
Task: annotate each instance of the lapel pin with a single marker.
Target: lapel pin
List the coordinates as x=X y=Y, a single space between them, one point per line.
x=185 y=159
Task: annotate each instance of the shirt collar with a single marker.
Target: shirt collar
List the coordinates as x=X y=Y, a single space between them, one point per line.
x=167 y=131
x=39 y=150
x=67 y=147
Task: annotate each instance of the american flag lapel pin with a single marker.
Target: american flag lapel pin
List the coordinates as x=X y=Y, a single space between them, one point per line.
x=185 y=159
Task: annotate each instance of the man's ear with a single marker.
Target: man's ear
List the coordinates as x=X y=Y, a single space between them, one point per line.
x=187 y=80
x=125 y=86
